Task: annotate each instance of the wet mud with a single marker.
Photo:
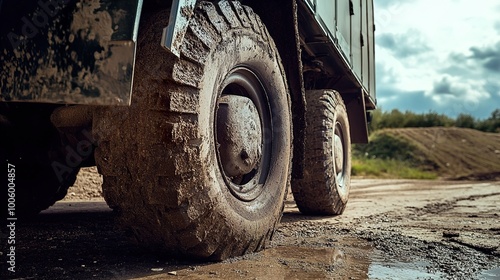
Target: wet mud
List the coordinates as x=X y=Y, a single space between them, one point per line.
x=390 y=230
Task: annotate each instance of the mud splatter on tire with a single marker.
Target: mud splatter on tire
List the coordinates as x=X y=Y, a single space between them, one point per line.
x=324 y=190
x=159 y=157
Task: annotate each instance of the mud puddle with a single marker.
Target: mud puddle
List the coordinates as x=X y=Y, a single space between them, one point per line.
x=380 y=269
x=408 y=234
x=490 y=274
x=310 y=263
x=351 y=259
x=283 y=262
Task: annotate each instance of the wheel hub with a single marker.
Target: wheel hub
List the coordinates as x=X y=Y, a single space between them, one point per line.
x=239 y=135
x=338 y=153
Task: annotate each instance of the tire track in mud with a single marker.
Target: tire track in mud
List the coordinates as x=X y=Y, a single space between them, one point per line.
x=439 y=207
x=454 y=237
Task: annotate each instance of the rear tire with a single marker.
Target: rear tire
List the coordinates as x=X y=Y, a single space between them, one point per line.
x=324 y=190
x=169 y=162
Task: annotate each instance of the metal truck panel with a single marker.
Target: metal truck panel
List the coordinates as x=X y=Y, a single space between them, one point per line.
x=327 y=17
x=370 y=26
x=173 y=34
x=68 y=51
x=83 y=51
x=365 y=55
x=349 y=53
x=356 y=40
x=343 y=27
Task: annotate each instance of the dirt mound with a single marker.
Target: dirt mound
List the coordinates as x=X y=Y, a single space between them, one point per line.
x=87 y=186
x=456 y=153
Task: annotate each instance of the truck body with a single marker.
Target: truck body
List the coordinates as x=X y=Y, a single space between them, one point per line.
x=58 y=51
x=191 y=110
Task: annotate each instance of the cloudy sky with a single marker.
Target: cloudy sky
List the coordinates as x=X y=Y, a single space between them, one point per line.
x=438 y=55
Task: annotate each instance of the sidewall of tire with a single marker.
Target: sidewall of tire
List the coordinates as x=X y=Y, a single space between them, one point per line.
x=245 y=49
x=341 y=117
x=319 y=191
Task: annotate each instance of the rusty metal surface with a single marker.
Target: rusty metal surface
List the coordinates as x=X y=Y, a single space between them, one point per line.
x=68 y=51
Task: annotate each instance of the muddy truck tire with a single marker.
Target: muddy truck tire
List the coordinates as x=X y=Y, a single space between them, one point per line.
x=324 y=189
x=32 y=148
x=200 y=162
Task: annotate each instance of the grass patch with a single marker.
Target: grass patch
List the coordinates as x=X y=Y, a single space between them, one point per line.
x=391 y=156
x=388 y=168
x=389 y=147
x=428 y=153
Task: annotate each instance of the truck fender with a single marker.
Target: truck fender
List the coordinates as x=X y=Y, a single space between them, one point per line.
x=68 y=51
x=173 y=34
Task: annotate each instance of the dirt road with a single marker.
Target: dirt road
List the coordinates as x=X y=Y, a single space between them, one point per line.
x=391 y=230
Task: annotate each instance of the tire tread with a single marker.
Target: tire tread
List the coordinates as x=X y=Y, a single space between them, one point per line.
x=316 y=193
x=174 y=195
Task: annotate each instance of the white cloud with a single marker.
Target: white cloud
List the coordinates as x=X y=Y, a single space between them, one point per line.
x=455 y=87
x=405 y=45
x=428 y=46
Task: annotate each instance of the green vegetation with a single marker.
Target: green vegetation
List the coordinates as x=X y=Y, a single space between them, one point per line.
x=388 y=168
x=426 y=146
x=397 y=119
x=386 y=146
x=388 y=156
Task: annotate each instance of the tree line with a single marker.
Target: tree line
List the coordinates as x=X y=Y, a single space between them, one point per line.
x=398 y=119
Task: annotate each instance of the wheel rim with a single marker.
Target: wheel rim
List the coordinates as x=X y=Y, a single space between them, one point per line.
x=340 y=157
x=243 y=137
